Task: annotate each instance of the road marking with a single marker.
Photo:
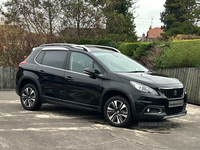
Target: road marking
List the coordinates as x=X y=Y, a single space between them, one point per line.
x=55 y=129
x=10 y=101
x=46 y=116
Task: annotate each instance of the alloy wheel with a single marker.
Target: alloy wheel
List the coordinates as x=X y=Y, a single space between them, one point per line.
x=28 y=97
x=117 y=112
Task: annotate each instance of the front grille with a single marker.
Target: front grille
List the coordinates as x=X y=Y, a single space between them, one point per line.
x=172 y=93
x=174 y=110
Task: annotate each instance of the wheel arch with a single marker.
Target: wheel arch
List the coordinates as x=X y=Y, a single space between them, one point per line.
x=28 y=80
x=114 y=92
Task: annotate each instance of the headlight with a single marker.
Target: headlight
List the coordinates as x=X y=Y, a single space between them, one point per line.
x=143 y=88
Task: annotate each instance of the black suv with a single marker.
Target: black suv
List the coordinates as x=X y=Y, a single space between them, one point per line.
x=97 y=78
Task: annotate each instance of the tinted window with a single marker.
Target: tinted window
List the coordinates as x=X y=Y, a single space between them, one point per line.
x=54 y=58
x=40 y=57
x=79 y=61
x=97 y=69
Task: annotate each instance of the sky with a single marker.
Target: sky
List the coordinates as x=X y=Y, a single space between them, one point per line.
x=146 y=11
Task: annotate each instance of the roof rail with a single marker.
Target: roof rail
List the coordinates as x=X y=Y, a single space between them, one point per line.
x=82 y=47
x=55 y=44
x=106 y=47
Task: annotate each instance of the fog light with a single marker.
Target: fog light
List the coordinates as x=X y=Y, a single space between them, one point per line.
x=154 y=110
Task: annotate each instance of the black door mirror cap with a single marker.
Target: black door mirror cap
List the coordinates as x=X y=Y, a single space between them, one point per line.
x=94 y=73
x=90 y=72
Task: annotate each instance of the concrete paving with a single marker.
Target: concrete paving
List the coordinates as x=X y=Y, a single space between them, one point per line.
x=57 y=127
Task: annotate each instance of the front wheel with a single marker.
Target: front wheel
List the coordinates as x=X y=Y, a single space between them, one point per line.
x=30 y=98
x=117 y=111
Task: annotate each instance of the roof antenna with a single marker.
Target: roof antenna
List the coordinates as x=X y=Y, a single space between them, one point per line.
x=152 y=22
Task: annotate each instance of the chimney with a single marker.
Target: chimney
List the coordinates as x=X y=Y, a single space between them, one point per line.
x=143 y=37
x=150 y=28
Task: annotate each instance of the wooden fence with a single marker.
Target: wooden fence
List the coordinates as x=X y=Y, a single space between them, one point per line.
x=190 y=77
x=7 y=77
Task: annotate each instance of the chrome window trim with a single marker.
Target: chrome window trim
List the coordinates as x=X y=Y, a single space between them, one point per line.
x=61 y=69
x=56 y=67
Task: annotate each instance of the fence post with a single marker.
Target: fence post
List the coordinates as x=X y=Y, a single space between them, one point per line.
x=1 y=77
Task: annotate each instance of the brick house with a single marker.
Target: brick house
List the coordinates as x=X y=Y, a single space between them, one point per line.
x=152 y=34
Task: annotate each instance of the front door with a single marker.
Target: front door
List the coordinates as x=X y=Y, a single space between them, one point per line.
x=79 y=87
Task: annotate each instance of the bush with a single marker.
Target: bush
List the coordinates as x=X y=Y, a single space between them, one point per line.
x=180 y=54
x=142 y=49
x=106 y=42
x=85 y=41
x=128 y=48
x=16 y=44
x=136 y=50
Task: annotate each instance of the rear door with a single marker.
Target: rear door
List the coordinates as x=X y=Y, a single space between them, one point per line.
x=51 y=72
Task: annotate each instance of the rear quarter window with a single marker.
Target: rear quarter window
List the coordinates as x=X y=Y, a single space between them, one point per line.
x=40 y=57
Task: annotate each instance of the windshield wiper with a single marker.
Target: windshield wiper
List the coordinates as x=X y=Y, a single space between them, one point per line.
x=135 y=71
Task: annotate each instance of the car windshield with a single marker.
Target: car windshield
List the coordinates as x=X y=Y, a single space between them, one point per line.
x=119 y=63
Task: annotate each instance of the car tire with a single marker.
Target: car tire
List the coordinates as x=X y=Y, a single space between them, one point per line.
x=117 y=111
x=30 y=98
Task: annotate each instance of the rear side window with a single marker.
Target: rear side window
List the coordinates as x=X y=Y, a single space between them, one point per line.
x=54 y=58
x=40 y=57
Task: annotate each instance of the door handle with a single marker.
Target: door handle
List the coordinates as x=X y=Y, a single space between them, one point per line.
x=69 y=78
x=42 y=72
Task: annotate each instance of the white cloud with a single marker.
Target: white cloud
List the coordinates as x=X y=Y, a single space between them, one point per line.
x=146 y=10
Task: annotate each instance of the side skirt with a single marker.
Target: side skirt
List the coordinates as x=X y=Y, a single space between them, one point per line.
x=70 y=104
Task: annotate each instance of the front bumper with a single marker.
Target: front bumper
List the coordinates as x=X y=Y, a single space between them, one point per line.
x=150 y=107
x=174 y=116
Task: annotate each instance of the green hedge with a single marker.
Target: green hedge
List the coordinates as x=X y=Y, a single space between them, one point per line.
x=185 y=53
x=85 y=41
x=104 y=42
x=136 y=50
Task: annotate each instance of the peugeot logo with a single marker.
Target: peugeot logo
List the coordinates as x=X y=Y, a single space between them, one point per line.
x=175 y=92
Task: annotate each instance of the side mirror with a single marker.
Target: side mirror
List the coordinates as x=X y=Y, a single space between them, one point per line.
x=90 y=71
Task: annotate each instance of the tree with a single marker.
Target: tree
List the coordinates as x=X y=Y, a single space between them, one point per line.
x=37 y=16
x=16 y=44
x=177 y=14
x=119 y=18
x=81 y=16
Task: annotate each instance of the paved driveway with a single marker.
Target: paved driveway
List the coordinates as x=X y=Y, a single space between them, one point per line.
x=57 y=127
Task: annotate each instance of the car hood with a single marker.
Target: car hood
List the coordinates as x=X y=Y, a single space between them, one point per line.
x=152 y=79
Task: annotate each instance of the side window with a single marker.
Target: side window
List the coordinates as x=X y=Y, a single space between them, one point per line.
x=54 y=58
x=40 y=57
x=79 y=61
x=97 y=69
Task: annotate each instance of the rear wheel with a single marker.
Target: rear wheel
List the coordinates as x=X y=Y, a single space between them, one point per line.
x=117 y=111
x=30 y=98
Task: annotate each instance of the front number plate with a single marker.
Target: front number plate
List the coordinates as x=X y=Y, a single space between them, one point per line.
x=176 y=103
